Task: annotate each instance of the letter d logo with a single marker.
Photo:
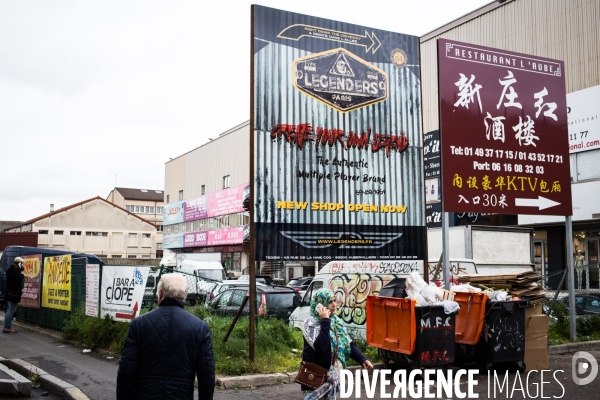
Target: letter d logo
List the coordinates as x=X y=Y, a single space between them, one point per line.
x=581 y=367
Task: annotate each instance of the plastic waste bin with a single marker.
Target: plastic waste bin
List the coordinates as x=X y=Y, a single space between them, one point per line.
x=503 y=336
x=410 y=335
x=470 y=317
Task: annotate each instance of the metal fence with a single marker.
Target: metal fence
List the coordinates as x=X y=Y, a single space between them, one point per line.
x=586 y=279
x=199 y=287
x=50 y=317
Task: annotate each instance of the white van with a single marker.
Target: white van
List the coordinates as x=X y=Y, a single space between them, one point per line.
x=202 y=276
x=352 y=282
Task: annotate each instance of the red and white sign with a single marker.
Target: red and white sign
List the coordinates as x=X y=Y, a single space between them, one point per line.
x=504 y=135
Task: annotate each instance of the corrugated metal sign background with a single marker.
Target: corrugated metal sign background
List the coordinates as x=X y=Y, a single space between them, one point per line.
x=281 y=166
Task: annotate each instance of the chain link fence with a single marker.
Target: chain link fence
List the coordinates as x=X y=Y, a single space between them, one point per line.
x=587 y=283
x=199 y=287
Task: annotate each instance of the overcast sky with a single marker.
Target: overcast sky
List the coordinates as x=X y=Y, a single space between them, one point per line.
x=98 y=92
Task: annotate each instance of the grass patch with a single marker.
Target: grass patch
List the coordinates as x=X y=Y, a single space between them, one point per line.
x=273 y=350
x=96 y=333
x=588 y=327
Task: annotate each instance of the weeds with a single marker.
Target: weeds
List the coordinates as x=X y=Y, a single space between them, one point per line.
x=588 y=326
x=97 y=333
x=274 y=341
x=35 y=380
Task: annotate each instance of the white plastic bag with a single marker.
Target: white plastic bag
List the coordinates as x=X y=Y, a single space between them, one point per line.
x=414 y=284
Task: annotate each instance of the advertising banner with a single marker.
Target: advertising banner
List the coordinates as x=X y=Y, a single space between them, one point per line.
x=31 y=288
x=214 y=237
x=223 y=202
x=173 y=213
x=337 y=141
x=583 y=109
x=92 y=288
x=431 y=150
x=122 y=291
x=503 y=119
x=174 y=241
x=56 y=284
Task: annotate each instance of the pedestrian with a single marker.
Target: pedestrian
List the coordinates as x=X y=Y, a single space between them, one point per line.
x=12 y=295
x=326 y=341
x=166 y=349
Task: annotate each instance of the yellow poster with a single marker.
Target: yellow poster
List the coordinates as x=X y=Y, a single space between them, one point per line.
x=56 y=286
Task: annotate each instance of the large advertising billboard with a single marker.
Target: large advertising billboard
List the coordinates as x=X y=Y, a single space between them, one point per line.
x=32 y=282
x=122 y=291
x=337 y=143
x=504 y=136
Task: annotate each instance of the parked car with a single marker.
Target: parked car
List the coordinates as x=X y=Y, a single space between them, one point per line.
x=585 y=304
x=264 y=279
x=272 y=301
x=300 y=284
x=226 y=285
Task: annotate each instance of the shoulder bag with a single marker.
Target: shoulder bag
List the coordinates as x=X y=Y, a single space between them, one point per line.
x=313 y=375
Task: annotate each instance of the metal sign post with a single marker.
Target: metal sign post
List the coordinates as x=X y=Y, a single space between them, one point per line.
x=571 y=280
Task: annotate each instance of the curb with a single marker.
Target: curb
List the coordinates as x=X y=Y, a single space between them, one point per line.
x=253 y=381
x=574 y=347
x=48 y=382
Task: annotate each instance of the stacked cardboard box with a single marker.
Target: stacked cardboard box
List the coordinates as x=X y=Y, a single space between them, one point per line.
x=525 y=285
x=536 y=339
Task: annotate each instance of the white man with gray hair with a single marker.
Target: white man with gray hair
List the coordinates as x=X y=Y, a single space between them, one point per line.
x=166 y=349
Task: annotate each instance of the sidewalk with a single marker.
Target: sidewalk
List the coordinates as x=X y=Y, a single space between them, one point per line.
x=225 y=382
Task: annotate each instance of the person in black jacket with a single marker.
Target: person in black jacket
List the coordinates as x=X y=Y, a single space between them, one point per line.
x=12 y=295
x=165 y=349
x=327 y=343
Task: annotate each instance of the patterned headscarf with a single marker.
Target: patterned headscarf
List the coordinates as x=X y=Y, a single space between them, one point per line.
x=312 y=327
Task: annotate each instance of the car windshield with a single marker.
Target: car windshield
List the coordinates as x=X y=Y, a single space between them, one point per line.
x=295 y=282
x=214 y=274
x=280 y=300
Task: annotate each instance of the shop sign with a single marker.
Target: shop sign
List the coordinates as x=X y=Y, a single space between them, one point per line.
x=584 y=125
x=503 y=132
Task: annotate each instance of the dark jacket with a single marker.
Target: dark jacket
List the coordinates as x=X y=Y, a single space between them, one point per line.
x=164 y=350
x=322 y=353
x=14 y=284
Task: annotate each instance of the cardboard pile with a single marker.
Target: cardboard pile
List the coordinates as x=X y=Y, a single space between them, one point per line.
x=536 y=339
x=525 y=285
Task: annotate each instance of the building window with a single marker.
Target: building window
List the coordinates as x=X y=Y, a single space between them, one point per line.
x=588 y=165
x=158 y=246
x=116 y=256
x=146 y=235
x=133 y=236
x=43 y=232
x=159 y=210
x=202 y=190
x=75 y=233
x=131 y=256
x=159 y=228
x=151 y=210
x=101 y=255
x=59 y=232
x=168 y=199
x=226 y=181
x=129 y=208
x=96 y=234
x=180 y=195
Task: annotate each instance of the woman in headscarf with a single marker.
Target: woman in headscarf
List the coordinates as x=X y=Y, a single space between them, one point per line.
x=325 y=337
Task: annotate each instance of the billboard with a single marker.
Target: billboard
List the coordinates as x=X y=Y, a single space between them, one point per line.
x=31 y=286
x=173 y=213
x=503 y=119
x=337 y=147
x=223 y=202
x=56 y=285
x=122 y=291
x=584 y=125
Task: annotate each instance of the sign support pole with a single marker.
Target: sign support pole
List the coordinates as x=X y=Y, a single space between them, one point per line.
x=446 y=249
x=571 y=280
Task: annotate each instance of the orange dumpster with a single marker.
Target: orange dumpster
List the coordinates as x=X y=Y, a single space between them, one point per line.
x=470 y=317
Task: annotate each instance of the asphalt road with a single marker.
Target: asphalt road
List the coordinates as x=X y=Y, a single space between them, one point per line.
x=95 y=374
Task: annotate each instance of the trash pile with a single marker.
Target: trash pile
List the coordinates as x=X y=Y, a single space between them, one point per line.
x=414 y=287
x=518 y=286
